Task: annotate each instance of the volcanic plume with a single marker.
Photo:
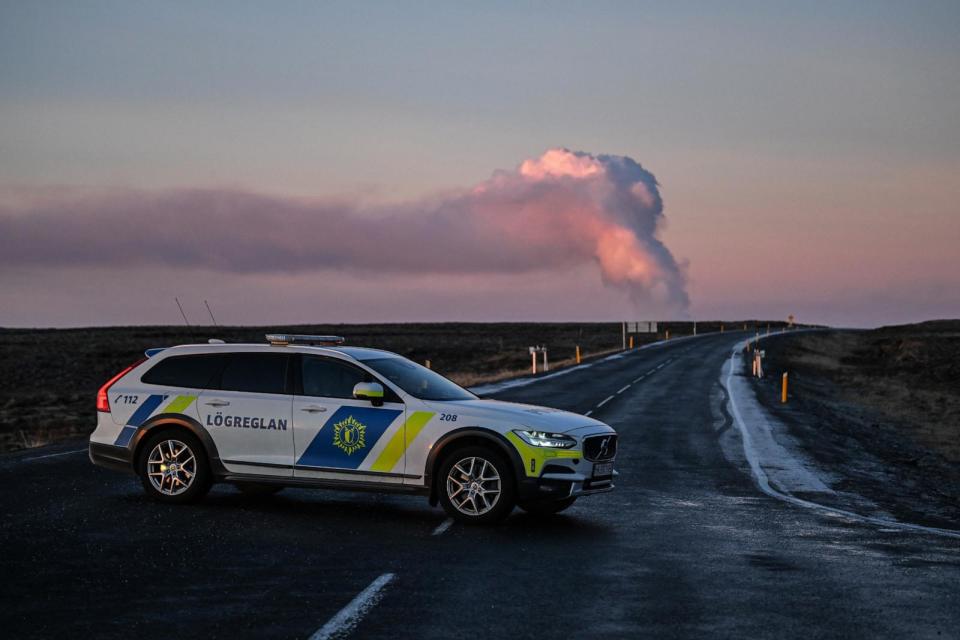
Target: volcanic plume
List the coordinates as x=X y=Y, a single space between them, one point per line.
x=561 y=209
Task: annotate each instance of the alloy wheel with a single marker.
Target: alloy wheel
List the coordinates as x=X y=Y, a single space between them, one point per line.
x=473 y=486
x=171 y=467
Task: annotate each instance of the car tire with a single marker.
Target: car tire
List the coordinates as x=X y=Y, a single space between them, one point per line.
x=258 y=489
x=476 y=485
x=173 y=467
x=547 y=507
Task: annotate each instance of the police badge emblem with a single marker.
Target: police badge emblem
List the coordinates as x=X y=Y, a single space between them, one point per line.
x=349 y=435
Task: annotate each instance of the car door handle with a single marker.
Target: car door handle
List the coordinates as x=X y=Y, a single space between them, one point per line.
x=313 y=409
x=218 y=403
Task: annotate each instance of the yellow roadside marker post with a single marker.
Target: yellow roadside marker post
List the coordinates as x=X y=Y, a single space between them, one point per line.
x=631 y=342
x=783 y=391
x=578 y=354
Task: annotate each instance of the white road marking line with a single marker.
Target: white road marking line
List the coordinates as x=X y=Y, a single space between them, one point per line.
x=588 y=413
x=624 y=388
x=651 y=372
x=608 y=399
x=54 y=455
x=348 y=617
x=443 y=526
x=636 y=380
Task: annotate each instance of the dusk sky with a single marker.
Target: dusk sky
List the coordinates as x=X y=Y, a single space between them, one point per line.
x=363 y=162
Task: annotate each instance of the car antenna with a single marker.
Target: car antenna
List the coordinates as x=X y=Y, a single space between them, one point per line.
x=179 y=306
x=211 y=313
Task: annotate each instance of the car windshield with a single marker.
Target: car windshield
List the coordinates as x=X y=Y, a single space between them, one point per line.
x=418 y=381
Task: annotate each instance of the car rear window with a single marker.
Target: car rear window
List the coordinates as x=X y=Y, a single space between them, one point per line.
x=192 y=372
x=255 y=373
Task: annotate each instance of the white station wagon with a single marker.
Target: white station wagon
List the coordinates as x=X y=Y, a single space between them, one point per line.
x=305 y=411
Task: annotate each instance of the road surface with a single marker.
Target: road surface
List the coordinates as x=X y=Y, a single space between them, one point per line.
x=687 y=546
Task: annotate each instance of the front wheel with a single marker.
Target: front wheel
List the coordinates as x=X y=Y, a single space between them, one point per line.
x=476 y=486
x=547 y=507
x=173 y=467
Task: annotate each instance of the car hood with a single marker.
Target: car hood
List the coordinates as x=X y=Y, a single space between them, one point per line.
x=520 y=415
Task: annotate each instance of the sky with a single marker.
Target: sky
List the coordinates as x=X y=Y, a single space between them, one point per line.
x=365 y=162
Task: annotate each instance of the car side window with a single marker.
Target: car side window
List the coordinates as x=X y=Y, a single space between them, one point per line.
x=255 y=373
x=326 y=378
x=192 y=372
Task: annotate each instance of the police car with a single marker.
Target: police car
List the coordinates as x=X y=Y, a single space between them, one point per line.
x=306 y=411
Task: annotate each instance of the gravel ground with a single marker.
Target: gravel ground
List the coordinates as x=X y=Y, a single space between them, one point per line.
x=879 y=409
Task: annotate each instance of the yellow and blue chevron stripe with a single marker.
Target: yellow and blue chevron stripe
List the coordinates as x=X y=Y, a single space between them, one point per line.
x=143 y=413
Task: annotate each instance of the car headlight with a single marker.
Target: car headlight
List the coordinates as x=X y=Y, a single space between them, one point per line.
x=544 y=439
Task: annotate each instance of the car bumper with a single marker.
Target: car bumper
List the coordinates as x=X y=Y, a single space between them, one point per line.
x=556 y=486
x=111 y=457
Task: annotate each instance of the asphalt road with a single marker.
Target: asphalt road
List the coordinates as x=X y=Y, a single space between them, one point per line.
x=685 y=547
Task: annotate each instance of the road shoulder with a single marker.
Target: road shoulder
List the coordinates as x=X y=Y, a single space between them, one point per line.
x=795 y=436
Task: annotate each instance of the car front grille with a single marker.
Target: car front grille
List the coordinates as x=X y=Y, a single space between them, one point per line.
x=600 y=448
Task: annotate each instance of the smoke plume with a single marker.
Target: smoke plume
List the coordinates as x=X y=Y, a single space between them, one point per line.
x=562 y=209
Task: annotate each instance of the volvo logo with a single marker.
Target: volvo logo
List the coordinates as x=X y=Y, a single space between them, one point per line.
x=605 y=447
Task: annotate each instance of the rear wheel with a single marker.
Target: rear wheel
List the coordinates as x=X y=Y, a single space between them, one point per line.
x=476 y=485
x=173 y=467
x=547 y=507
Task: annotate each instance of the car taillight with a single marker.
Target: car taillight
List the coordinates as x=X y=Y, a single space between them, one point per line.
x=103 y=401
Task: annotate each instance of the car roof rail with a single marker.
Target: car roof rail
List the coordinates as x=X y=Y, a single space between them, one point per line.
x=283 y=339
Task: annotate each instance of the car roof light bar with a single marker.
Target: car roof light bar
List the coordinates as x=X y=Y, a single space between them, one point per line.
x=283 y=339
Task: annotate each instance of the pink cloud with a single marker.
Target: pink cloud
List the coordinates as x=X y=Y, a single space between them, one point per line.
x=561 y=210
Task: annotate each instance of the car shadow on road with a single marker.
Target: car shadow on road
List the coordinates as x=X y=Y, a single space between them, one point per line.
x=568 y=527
x=352 y=510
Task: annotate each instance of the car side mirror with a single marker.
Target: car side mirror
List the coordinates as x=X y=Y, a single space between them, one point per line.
x=372 y=391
